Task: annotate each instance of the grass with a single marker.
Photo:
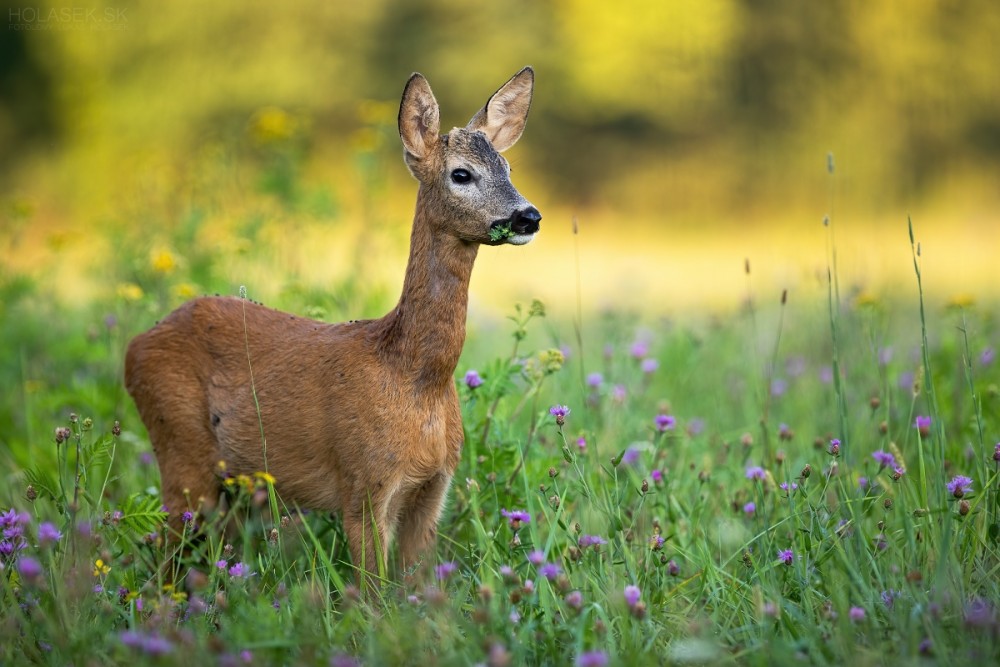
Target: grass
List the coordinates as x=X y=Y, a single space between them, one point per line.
x=709 y=493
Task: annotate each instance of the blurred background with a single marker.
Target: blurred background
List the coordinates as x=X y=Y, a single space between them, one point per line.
x=175 y=148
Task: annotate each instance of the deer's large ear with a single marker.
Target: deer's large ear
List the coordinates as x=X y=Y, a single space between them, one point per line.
x=419 y=118
x=502 y=119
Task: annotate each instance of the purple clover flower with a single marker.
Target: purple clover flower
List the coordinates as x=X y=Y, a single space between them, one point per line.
x=857 y=614
x=29 y=568
x=592 y=659
x=48 y=533
x=884 y=459
x=959 y=486
x=639 y=349
x=445 y=570
x=750 y=508
x=755 y=472
x=649 y=365
x=595 y=380
x=591 y=541
x=632 y=595
x=574 y=600
x=238 y=571
x=472 y=379
x=665 y=422
x=786 y=556
x=550 y=571
x=516 y=518
x=536 y=557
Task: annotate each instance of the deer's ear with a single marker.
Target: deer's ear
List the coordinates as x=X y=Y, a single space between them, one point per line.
x=502 y=119
x=419 y=118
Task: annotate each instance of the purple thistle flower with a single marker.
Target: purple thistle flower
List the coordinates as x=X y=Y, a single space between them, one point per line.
x=559 y=412
x=657 y=476
x=889 y=597
x=592 y=659
x=238 y=571
x=656 y=542
x=979 y=613
x=673 y=569
x=884 y=356
x=897 y=472
x=996 y=452
x=595 y=380
x=445 y=570
x=695 y=426
x=516 y=518
x=750 y=508
x=221 y=564
x=665 y=422
x=619 y=393
x=187 y=516
x=472 y=379
x=755 y=472
x=344 y=660
x=987 y=356
x=536 y=557
x=590 y=541
x=778 y=387
x=156 y=645
x=48 y=533
x=639 y=349
x=834 y=447
x=550 y=571
x=29 y=568
x=786 y=556
x=98 y=589
x=884 y=459
x=631 y=456
x=574 y=600
x=649 y=365
x=131 y=639
x=6 y=548
x=826 y=375
x=632 y=595
x=923 y=425
x=788 y=487
x=581 y=443
x=857 y=614
x=959 y=486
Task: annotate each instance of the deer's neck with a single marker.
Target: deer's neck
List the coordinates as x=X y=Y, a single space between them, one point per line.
x=425 y=332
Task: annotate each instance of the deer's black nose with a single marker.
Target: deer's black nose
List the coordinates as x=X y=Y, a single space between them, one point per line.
x=525 y=221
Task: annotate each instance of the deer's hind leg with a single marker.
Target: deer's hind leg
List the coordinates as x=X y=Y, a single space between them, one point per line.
x=187 y=453
x=419 y=521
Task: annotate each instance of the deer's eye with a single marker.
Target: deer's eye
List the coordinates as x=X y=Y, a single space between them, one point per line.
x=461 y=176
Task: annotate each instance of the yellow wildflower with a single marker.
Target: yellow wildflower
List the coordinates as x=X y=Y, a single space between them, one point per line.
x=185 y=290
x=101 y=568
x=163 y=261
x=129 y=292
x=265 y=477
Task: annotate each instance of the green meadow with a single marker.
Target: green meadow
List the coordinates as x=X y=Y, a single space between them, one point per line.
x=738 y=403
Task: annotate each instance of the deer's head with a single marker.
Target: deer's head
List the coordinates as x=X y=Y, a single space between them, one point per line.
x=462 y=173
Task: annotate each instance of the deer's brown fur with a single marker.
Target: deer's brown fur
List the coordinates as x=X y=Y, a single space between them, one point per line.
x=362 y=417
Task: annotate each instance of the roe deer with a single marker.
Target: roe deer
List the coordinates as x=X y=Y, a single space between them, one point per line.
x=359 y=417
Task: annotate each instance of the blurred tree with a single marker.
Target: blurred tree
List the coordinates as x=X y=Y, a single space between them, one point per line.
x=27 y=105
